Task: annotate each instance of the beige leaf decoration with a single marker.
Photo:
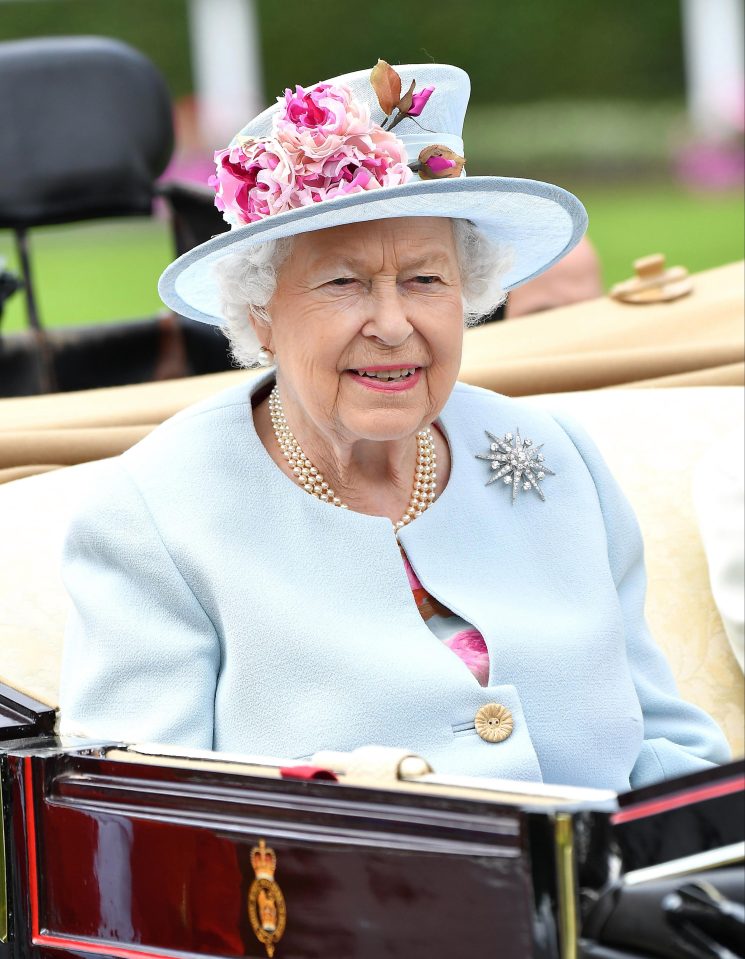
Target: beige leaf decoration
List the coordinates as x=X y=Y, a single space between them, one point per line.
x=387 y=86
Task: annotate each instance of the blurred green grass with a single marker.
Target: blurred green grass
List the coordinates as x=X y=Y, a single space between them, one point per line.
x=696 y=230
x=91 y=273
x=583 y=139
x=104 y=271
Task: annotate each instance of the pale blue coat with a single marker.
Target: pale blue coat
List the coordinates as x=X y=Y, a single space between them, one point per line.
x=218 y=605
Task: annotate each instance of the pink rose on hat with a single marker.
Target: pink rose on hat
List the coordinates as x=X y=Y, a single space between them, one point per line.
x=360 y=162
x=315 y=123
x=254 y=178
x=323 y=145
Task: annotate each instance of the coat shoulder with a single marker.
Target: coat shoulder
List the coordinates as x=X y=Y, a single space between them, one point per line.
x=210 y=427
x=475 y=401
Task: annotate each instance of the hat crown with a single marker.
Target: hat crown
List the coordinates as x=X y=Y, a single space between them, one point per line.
x=443 y=115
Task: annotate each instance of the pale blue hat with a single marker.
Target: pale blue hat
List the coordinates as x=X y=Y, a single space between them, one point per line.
x=539 y=222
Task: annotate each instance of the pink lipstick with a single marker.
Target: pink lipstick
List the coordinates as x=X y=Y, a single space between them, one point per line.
x=366 y=376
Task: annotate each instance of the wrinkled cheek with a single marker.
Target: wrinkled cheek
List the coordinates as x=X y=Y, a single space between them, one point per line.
x=441 y=379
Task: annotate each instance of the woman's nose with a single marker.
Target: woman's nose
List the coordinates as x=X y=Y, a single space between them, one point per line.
x=388 y=318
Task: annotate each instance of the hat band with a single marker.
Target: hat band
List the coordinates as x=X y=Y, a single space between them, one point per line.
x=416 y=142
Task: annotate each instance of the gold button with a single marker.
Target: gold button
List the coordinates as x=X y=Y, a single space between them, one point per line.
x=494 y=723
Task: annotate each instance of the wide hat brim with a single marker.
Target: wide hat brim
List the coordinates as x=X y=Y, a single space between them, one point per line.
x=539 y=223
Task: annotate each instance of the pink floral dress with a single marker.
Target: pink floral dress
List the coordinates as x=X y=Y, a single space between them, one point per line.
x=465 y=641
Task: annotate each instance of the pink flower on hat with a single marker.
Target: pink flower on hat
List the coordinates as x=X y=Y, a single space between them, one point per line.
x=419 y=101
x=316 y=122
x=359 y=163
x=324 y=145
x=254 y=178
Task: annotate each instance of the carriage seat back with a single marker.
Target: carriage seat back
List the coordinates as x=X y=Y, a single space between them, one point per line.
x=85 y=130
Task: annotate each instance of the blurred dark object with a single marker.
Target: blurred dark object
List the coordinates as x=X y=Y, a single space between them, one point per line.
x=677 y=890
x=701 y=918
x=497 y=315
x=9 y=284
x=87 y=130
x=86 y=127
x=706 y=921
x=193 y=214
x=138 y=351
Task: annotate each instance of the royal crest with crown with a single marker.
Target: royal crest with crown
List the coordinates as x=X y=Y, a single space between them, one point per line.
x=267 y=912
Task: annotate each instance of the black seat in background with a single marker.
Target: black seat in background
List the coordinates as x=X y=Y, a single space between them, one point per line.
x=194 y=217
x=85 y=131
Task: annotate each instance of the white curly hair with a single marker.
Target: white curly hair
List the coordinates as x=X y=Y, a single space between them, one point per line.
x=247 y=281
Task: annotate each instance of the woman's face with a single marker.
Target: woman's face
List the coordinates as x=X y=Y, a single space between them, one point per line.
x=367 y=327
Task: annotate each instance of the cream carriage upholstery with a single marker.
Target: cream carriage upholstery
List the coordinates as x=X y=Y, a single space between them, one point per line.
x=653 y=441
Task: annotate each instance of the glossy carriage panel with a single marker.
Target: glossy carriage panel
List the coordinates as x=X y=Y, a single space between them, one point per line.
x=22 y=716
x=131 y=859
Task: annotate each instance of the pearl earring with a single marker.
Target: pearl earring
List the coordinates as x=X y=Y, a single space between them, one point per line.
x=265 y=357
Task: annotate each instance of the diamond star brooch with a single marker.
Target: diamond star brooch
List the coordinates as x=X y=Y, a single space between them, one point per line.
x=517 y=462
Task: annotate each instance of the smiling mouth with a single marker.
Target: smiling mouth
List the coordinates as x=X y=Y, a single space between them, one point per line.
x=385 y=376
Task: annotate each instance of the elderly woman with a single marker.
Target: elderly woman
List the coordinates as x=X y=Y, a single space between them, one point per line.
x=353 y=548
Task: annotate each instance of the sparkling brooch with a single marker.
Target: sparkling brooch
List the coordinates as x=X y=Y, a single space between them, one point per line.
x=517 y=462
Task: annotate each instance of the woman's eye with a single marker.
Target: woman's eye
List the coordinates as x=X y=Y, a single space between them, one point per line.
x=343 y=281
x=426 y=280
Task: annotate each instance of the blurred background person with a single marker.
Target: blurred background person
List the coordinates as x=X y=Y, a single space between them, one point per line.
x=576 y=278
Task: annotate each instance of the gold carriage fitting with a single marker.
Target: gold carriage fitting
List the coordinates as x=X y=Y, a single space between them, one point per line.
x=266 y=904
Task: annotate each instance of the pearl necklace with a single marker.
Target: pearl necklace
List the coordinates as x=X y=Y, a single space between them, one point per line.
x=311 y=479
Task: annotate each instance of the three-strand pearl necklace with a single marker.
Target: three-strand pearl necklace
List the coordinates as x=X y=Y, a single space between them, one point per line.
x=311 y=479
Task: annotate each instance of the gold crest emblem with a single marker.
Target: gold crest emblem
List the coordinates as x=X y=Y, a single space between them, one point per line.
x=266 y=904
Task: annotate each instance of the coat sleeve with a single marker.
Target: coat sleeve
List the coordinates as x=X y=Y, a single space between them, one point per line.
x=141 y=656
x=679 y=737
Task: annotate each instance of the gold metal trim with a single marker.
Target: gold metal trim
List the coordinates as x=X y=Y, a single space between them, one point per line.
x=3 y=881
x=567 y=885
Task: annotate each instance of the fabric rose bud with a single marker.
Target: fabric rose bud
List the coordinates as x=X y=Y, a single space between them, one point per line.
x=254 y=178
x=419 y=101
x=439 y=162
